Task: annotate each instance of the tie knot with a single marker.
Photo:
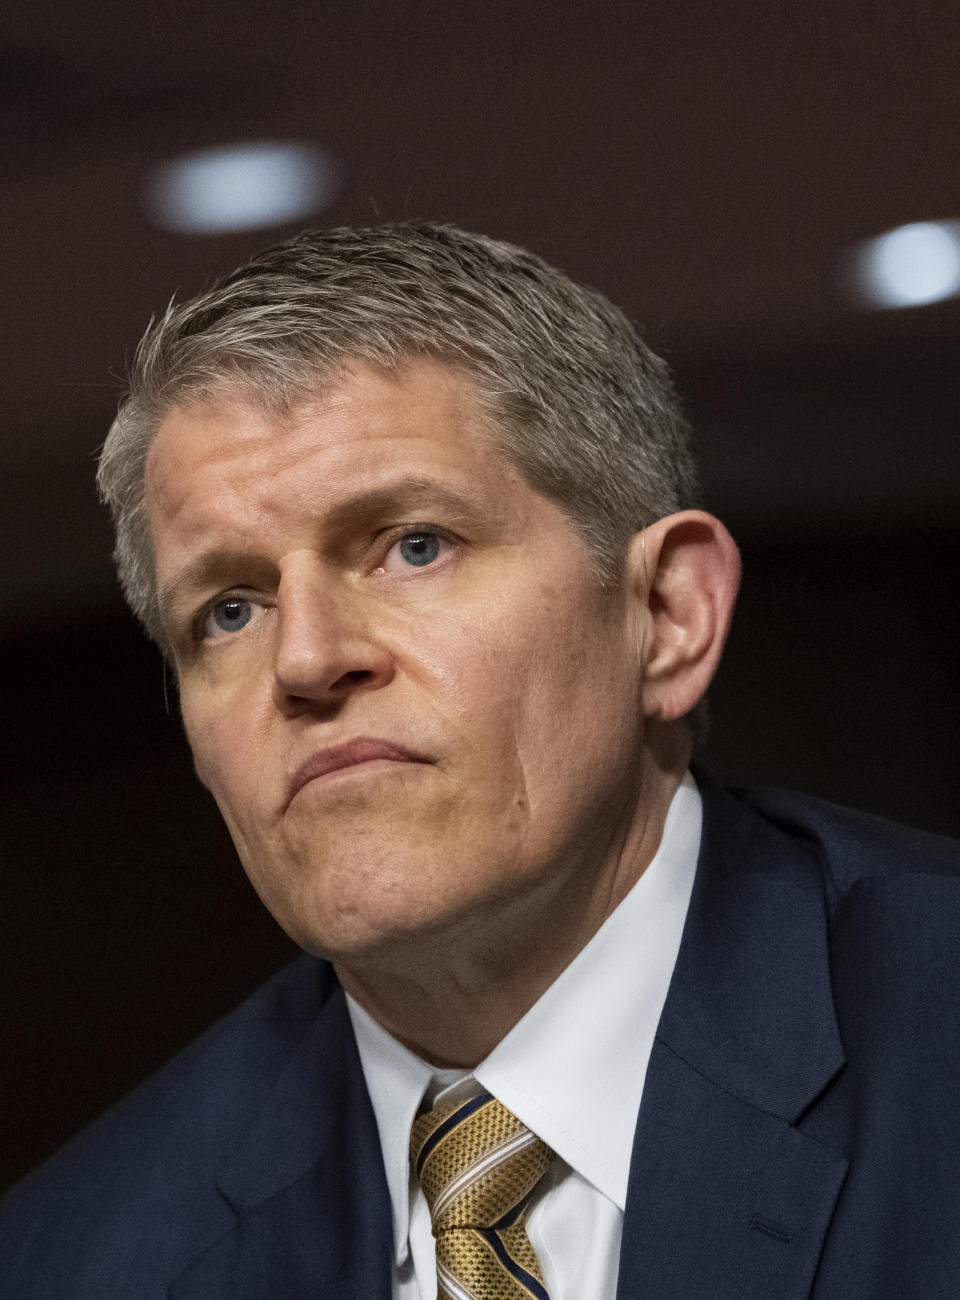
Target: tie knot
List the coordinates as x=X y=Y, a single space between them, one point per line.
x=477 y=1163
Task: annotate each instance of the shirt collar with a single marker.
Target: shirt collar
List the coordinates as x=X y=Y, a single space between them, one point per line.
x=396 y=1080
x=572 y=1076
x=575 y=1075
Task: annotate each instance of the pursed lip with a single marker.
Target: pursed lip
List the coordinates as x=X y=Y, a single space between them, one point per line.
x=362 y=749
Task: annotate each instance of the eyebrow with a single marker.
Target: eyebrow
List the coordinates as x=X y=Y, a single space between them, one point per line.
x=402 y=496
x=199 y=573
x=406 y=495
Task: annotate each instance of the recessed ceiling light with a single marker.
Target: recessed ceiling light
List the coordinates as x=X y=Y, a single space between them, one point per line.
x=910 y=266
x=240 y=187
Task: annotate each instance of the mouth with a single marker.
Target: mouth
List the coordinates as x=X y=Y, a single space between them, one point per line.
x=363 y=749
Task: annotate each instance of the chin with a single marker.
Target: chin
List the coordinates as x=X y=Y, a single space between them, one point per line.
x=367 y=917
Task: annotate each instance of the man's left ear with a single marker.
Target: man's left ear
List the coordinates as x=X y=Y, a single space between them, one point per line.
x=685 y=571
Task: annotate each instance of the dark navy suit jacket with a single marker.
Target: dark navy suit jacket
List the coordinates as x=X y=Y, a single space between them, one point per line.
x=799 y=1133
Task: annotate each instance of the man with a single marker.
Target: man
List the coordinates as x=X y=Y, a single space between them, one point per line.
x=413 y=517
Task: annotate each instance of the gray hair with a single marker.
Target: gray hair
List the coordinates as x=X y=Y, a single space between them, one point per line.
x=573 y=396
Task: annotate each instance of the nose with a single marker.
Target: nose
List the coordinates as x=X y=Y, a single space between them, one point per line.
x=326 y=648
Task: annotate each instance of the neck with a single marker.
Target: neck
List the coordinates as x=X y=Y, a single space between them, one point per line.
x=452 y=998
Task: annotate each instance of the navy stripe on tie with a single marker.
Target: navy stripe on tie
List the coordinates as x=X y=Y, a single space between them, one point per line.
x=450 y=1123
x=516 y=1271
x=511 y=1216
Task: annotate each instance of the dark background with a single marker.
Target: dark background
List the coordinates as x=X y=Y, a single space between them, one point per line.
x=709 y=167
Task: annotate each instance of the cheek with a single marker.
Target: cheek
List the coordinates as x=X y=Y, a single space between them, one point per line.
x=578 y=721
x=539 y=696
x=216 y=745
x=477 y=676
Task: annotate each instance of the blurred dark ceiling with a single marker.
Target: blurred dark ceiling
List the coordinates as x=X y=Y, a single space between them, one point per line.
x=706 y=165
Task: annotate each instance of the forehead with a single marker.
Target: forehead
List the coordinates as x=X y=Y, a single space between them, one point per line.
x=356 y=403
x=362 y=426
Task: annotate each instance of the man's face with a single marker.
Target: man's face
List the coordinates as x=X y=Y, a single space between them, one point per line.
x=413 y=703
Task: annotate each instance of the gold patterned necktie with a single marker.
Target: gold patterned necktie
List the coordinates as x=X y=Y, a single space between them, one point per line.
x=478 y=1166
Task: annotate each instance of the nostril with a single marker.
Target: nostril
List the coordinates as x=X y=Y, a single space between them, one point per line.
x=356 y=677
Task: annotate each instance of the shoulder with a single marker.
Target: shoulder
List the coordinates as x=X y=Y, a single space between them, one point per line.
x=892 y=898
x=852 y=846
x=885 y=897
x=117 y=1204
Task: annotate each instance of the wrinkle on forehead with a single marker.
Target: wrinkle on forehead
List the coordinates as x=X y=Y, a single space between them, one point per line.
x=359 y=403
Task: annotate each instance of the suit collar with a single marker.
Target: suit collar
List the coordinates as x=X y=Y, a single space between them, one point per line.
x=725 y=1192
x=750 y=1004
x=306 y=1183
x=298 y=1124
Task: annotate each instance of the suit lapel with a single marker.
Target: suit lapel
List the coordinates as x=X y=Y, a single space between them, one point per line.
x=727 y=1196
x=307 y=1186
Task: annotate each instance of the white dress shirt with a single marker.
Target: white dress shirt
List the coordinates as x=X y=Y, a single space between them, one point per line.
x=572 y=1070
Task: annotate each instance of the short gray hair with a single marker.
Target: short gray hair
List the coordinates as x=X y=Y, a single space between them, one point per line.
x=572 y=394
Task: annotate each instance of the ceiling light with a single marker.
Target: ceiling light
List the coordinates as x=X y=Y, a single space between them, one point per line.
x=240 y=187
x=910 y=266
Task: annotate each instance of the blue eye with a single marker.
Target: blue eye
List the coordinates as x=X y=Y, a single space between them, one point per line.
x=420 y=549
x=229 y=615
